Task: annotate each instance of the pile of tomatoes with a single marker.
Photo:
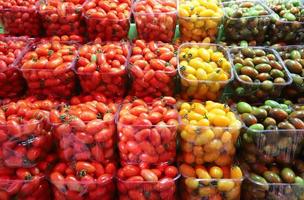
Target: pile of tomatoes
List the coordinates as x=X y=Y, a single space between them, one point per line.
x=25 y=135
x=155 y=20
x=20 y=17
x=60 y=17
x=153 y=68
x=108 y=19
x=147 y=182
x=11 y=50
x=147 y=131
x=85 y=131
x=83 y=180
x=102 y=68
x=48 y=68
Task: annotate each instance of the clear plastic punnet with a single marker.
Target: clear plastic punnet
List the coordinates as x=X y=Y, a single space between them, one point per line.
x=246 y=20
x=20 y=20
x=48 y=68
x=111 y=26
x=149 y=137
x=293 y=57
x=203 y=23
x=26 y=144
x=205 y=76
x=196 y=188
x=270 y=140
x=35 y=188
x=165 y=188
x=152 y=69
x=12 y=49
x=79 y=140
x=103 y=68
x=259 y=187
x=259 y=73
x=84 y=190
x=60 y=17
x=287 y=22
x=83 y=181
x=208 y=133
x=157 y=25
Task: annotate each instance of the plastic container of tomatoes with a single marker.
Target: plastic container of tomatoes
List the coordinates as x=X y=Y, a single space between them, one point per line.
x=85 y=181
x=110 y=23
x=252 y=27
x=195 y=188
x=155 y=22
x=253 y=190
x=103 y=68
x=61 y=17
x=22 y=19
x=48 y=68
x=163 y=189
x=152 y=67
x=204 y=89
x=80 y=140
x=11 y=51
x=36 y=187
x=258 y=91
x=147 y=132
x=293 y=56
x=210 y=145
x=205 y=23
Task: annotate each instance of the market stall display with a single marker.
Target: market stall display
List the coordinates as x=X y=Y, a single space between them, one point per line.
x=151 y=100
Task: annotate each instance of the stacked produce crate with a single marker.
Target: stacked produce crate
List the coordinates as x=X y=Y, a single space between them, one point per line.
x=210 y=112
